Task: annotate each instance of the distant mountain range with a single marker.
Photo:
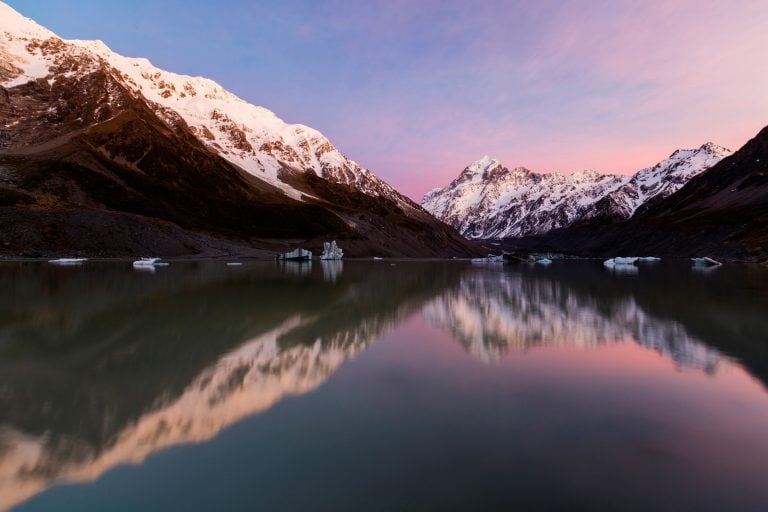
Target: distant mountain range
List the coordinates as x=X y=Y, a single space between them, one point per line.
x=490 y=201
x=107 y=155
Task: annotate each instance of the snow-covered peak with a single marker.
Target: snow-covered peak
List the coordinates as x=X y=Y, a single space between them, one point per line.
x=477 y=169
x=711 y=147
x=706 y=150
x=481 y=165
x=18 y=65
x=16 y=25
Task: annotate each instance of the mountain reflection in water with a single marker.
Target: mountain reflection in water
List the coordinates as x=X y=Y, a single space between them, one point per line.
x=100 y=366
x=494 y=313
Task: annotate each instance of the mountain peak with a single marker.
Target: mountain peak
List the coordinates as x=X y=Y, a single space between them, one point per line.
x=481 y=165
x=711 y=147
x=18 y=25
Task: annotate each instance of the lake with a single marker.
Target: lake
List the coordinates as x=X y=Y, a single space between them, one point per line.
x=383 y=386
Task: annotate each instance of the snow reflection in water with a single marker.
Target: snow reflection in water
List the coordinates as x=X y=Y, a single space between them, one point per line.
x=493 y=314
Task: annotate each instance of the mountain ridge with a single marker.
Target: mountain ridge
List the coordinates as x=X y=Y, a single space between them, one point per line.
x=490 y=201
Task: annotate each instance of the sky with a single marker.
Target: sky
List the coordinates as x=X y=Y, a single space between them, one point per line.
x=417 y=90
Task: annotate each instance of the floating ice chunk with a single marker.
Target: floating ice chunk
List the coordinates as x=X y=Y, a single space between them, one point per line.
x=296 y=255
x=233 y=264
x=68 y=261
x=377 y=258
x=331 y=251
x=144 y=263
x=491 y=258
x=649 y=259
x=619 y=261
x=705 y=262
x=544 y=261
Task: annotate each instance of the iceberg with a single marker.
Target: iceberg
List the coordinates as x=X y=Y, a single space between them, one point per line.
x=68 y=261
x=705 y=262
x=144 y=263
x=649 y=259
x=331 y=251
x=295 y=255
x=619 y=261
x=491 y=258
x=234 y=264
x=544 y=261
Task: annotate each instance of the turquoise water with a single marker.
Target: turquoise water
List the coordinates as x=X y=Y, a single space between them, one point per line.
x=386 y=385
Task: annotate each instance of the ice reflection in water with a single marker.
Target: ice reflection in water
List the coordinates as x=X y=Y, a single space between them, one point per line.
x=332 y=269
x=296 y=268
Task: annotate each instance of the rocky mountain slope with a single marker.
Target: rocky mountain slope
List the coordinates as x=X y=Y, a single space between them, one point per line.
x=488 y=200
x=107 y=155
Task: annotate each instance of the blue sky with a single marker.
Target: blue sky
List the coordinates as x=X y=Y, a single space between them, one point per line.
x=415 y=91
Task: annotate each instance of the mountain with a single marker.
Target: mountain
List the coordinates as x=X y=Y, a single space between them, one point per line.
x=722 y=212
x=487 y=200
x=107 y=155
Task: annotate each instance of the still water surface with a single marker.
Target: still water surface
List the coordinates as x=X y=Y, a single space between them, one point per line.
x=373 y=386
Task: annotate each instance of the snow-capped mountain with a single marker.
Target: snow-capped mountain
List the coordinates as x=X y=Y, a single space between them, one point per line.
x=249 y=136
x=488 y=200
x=142 y=160
x=722 y=213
